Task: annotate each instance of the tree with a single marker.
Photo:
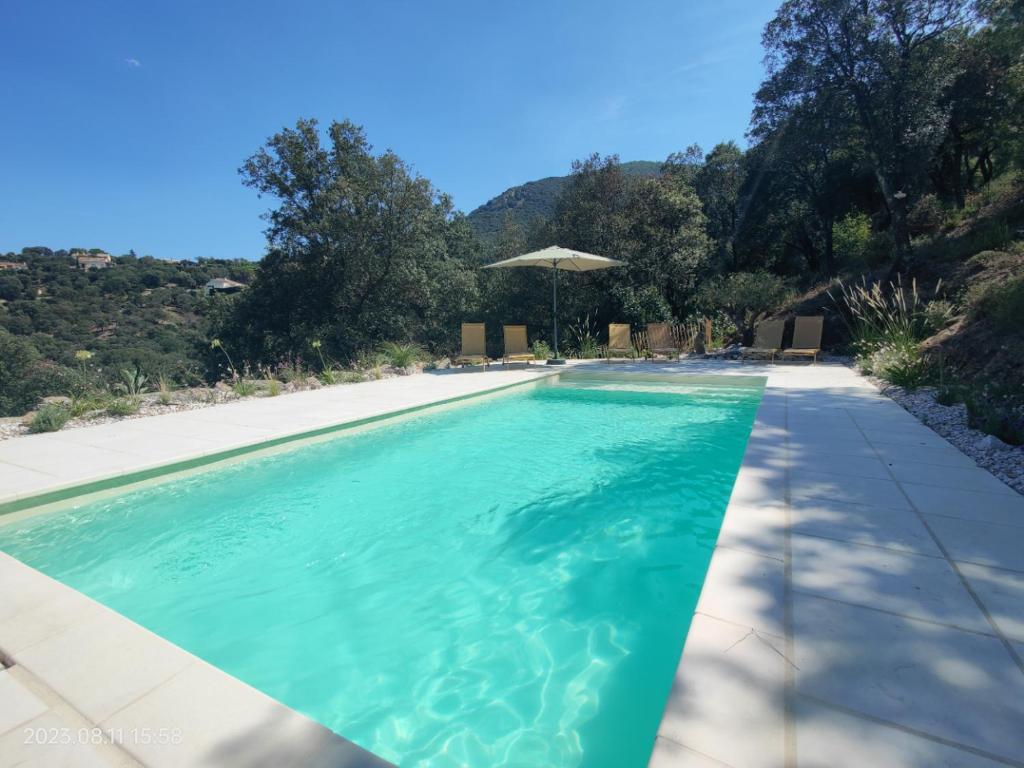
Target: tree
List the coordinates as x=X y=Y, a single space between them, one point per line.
x=360 y=250
x=718 y=183
x=746 y=298
x=891 y=59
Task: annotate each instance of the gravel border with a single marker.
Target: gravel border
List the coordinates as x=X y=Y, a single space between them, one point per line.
x=1004 y=461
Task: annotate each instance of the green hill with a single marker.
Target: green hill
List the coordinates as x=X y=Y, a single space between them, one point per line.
x=536 y=200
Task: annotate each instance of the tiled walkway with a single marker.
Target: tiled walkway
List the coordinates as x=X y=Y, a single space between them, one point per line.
x=865 y=602
x=864 y=605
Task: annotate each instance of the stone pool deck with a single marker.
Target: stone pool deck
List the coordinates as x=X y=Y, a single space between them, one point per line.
x=864 y=603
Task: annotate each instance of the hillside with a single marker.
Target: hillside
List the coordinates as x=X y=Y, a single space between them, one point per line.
x=535 y=200
x=136 y=311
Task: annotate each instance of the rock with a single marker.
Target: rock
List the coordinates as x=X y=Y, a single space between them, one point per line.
x=57 y=400
x=313 y=382
x=991 y=444
x=442 y=364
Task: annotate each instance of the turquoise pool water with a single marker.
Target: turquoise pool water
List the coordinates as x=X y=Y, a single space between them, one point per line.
x=507 y=582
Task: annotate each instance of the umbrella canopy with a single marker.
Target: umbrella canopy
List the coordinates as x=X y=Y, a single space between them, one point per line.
x=555 y=257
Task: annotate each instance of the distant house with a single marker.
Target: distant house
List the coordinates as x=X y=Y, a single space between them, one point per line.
x=223 y=285
x=98 y=260
x=13 y=265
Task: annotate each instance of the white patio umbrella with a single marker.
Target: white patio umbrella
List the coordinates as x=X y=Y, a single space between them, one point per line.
x=555 y=258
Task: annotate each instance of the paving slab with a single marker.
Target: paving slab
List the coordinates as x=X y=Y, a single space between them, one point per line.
x=828 y=738
x=730 y=682
x=1002 y=592
x=896 y=529
x=901 y=582
x=955 y=685
x=967 y=504
x=969 y=541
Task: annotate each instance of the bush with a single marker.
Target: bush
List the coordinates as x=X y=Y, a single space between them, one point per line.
x=927 y=216
x=273 y=388
x=50 y=418
x=401 y=355
x=937 y=315
x=244 y=387
x=899 y=363
x=124 y=406
x=745 y=298
x=24 y=377
x=541 y=350
x=1002 y=303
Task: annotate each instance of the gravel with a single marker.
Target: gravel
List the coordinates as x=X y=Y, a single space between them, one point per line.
x=187 y=400
x=1004 y=461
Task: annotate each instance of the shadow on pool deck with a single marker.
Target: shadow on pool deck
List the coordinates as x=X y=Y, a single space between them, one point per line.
x=853 y=622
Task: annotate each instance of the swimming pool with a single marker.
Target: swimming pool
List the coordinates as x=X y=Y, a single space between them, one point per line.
x=505 y=582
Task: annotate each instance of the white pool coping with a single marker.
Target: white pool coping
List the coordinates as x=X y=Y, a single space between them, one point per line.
x=863 y=604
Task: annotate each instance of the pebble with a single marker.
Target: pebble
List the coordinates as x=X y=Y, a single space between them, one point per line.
x=950 y=421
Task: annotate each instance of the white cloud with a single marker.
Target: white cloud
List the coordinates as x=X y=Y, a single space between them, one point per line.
x=133 y=63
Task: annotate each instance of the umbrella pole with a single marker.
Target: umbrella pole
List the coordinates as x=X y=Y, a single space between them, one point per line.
x=554 y=305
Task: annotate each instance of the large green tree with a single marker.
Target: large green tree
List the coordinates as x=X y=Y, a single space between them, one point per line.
x=893 y=61
x=360 y=250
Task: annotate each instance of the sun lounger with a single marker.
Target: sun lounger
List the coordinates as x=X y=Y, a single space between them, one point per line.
x=767 y=340
x=474 y=345
x=806 y=338
x=619 y=342
x=516 y=348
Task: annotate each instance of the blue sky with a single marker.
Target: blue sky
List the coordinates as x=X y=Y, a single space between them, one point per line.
x=125 y=123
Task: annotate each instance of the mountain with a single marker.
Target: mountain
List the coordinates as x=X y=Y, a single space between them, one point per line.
x=536 y=200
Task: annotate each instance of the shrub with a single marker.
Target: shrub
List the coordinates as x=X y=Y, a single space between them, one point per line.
x=541 y=350
x=937 y=315
x=899 y=363
x=165 y=390
x=927 y=216
x=1002 y=303
x=273 y=388
x=124 y=406
x=50 y=418
x=877 y=315
x=745 y=297
x=244 y=387
x=851 y=236
x=401 y=355
x=20 y=387
x=352 y=377
x=583 y=339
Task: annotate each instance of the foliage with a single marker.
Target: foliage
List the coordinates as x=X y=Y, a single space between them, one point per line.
x=50 y=418
x=899 y=362
x=402 y=355
x=534 y=202
x=124 y=406
x=165 y=390
x=541 y=350
x=927 y=216
x=878 y=314
x=244 y=387
x=360 y=250
x=746 y=298
x=938 y=314
x=133 y=382
x=583 y=342
x=1002 y=303
x=24 y=377
x=851 y=238
x=273 y=388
